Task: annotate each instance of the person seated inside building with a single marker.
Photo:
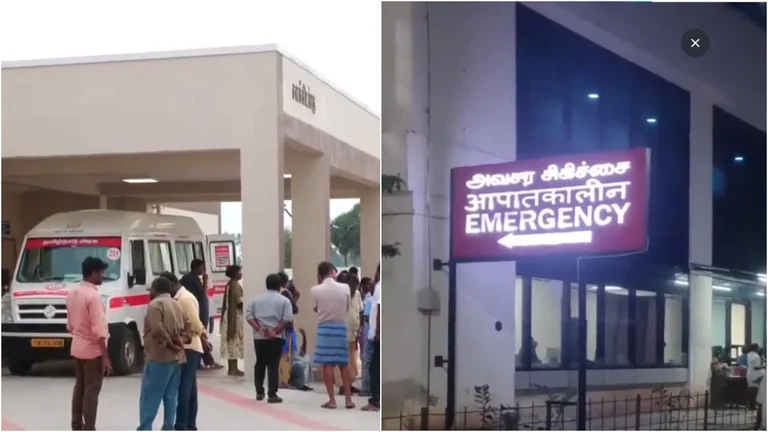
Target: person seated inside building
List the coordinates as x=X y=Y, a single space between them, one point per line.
x=742 y=360
x=300 y=366
x=534 y=356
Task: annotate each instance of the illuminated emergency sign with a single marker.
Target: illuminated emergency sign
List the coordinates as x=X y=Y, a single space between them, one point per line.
x=583 y=205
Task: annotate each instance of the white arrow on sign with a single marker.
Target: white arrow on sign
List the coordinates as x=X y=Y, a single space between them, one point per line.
x=546 y=239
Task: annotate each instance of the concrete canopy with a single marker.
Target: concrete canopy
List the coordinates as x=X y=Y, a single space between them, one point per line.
x=200 y=103
x=182 y=176
x=208 y=125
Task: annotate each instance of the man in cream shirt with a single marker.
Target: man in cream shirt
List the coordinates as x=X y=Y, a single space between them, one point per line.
x=331 y=349
x=186 y=410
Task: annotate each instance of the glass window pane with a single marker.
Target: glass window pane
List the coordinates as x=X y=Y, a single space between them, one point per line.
x=616 y=326
x=546 y=307
x=738 y=207
x=673 y=330
x=591 y=323
x=184 y=255
x=758 y=322
x=645 y=328
x=199 y=254
x=718 y=322
x=160 y=257
x=738 y=324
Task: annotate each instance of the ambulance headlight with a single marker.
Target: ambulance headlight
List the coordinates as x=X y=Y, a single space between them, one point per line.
x=7 y=309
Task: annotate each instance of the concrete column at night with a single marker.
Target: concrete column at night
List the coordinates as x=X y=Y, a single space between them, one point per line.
x=261 y=190
x=370 y=230
x=700 y=342
x=311 y=233
x=700 y=241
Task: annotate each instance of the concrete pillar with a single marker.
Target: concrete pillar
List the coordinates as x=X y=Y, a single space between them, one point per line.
x=700 y=342
x=103 y=202
x=261 y=190
x=370 y=230
x=700 y=241
x=404 y=132
x=311 y=236
x=467 y=66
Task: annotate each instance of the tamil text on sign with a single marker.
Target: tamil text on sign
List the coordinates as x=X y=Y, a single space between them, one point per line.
x=588 y=204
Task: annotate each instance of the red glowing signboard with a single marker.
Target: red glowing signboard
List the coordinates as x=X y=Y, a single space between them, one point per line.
x=578 y=205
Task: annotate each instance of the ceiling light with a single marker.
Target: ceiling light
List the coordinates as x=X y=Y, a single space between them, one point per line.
x=140 y=180
x=738 y=158
x=681 y=282
x=285 y=176
x=760 y=293
x=650 y=120
x=613 y=288
x=593 y=96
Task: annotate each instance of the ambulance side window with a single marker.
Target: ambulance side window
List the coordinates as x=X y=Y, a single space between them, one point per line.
x=139 y=262
x=160 y=257
x=185 y=253
x=199 y=251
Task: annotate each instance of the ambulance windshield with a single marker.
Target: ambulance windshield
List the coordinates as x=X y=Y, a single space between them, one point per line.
x=60 y=259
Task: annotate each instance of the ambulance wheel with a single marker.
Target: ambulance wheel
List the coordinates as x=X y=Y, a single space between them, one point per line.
x=19 y=367
x=124 y=350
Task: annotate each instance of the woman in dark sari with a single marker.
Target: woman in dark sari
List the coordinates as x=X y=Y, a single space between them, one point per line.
x=232 y=328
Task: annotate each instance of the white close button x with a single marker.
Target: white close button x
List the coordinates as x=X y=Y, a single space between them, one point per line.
x=695 y=43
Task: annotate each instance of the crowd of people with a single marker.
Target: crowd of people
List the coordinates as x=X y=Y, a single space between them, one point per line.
x=176 y=341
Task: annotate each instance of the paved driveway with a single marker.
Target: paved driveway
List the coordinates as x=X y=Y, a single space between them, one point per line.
x=41 y=401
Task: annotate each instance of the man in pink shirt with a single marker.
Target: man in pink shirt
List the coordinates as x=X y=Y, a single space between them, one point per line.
x=87 y=323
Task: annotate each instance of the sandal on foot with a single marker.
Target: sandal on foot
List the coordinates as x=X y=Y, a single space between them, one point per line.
x=369 y=407
x=350 y=405
x=328 y=405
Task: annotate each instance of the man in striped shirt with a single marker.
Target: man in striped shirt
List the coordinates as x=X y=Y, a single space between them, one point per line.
x=186 y=410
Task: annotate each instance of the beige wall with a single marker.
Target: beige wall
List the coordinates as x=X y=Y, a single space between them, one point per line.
x=172 y=104
x=335 y=113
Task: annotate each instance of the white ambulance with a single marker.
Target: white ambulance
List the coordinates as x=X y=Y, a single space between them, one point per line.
x=137 y=247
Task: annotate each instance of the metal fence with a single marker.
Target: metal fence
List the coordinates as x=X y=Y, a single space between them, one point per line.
x=657 y=412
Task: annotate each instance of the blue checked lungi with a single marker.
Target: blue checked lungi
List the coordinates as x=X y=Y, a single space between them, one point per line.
x=331 y=348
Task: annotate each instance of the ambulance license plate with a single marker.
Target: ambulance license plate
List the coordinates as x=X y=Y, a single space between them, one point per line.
x=47 y=343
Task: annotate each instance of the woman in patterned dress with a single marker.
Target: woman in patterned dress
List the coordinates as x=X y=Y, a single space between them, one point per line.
x=232 y=330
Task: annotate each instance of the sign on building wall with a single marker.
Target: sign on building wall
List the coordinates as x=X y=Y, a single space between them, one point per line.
x=301 y=93
x=580 y=205
x=310 y=99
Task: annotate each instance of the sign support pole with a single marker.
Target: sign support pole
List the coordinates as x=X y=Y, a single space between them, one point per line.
x=450 y=403
x=582 y=378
